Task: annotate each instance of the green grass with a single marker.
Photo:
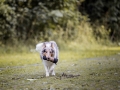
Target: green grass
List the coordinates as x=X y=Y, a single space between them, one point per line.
x=76 y=70
x=18 y=59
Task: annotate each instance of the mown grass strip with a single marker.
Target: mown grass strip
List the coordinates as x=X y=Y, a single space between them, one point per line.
x=18 y=59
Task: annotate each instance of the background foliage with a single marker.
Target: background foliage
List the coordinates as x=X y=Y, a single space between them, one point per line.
x=104 y=12
x=31 y=21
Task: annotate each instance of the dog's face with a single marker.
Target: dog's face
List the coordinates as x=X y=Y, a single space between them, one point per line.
x=48 y=50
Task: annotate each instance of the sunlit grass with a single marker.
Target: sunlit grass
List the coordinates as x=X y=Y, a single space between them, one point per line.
x=18 y=59
x=93 y=73
x=77 y=55
x=103 y=73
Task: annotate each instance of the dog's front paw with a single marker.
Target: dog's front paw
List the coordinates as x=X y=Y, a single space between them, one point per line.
x=47 y=74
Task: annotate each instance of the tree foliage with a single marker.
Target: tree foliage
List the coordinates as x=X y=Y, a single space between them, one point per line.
x=24 y=20
x=104 y=12
x=34 y=19
x=7 y=22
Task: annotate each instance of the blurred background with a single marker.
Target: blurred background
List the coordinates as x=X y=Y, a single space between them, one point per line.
x=83 y=24
x=86 y=31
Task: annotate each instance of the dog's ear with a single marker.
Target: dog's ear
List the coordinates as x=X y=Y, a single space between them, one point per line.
x=44 y=45
x=52 y=45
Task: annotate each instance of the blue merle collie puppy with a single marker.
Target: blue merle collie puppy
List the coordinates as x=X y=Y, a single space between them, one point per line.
x=49 y=54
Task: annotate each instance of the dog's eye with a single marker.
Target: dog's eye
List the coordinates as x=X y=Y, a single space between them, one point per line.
x=52 y=51
x=44 y=51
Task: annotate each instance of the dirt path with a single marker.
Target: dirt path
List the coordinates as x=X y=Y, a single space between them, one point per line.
x=17 y=67
x=113 y=57
x=101 y=72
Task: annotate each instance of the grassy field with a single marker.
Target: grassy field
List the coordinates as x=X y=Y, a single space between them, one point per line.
x=76 y=70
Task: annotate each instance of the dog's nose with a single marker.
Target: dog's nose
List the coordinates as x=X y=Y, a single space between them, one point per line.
x=48 y=58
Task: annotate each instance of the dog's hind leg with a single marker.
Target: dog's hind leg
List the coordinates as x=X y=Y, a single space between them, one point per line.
x=53 y=72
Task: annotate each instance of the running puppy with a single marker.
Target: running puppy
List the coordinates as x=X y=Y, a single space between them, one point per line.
x=49 y=53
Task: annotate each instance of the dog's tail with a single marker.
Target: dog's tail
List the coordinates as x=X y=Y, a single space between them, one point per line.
x=39 y=47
